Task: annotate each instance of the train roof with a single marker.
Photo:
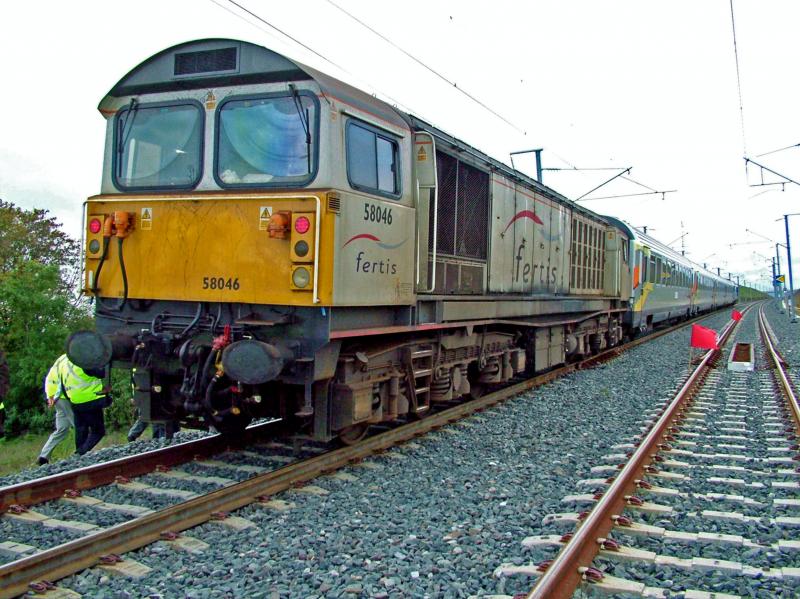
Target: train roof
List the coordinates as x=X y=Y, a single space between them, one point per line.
x=206 y=63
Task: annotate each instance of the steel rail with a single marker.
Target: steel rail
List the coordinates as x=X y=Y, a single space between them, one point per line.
x=79 y=554
x=780 y=367
x=565 y=573
x=52 y=487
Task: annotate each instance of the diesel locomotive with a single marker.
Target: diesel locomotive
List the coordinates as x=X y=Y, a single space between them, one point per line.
x=272 y=242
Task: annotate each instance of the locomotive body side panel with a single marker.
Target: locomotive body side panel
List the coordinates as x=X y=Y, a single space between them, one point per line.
x=504 y=239
x=375 y=252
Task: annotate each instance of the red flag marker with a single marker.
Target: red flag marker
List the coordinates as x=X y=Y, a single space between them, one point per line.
x=703 y=338
x=736 y=315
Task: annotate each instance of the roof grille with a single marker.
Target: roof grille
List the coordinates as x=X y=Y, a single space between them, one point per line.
x=205 y=61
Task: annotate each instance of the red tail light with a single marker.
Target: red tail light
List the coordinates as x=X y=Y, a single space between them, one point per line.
x=95 y=225
x=302 y=224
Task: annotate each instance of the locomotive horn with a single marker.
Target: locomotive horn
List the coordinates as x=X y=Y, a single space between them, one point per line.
x=254 y=362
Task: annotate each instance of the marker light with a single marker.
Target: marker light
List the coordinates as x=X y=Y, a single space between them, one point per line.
x=301 y=248
x=94 y=246
x=95 y=225
x=301 y=277
x=302 y=225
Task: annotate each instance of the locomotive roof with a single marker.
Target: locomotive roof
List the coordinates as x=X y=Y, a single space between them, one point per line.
x=206 y=63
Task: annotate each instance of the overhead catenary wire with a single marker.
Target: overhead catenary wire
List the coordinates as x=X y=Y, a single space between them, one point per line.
x=283 y=33
x=778 y=150
x=301 y=44
x=631 y=195
x=738 y=81
x=427 y=67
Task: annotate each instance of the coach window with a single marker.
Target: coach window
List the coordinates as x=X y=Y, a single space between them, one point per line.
x=158 y=146
x=372 y=160
x=268 y=140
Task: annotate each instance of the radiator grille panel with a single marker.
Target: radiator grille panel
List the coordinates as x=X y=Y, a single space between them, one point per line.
x=205 y=61
x=462 y=225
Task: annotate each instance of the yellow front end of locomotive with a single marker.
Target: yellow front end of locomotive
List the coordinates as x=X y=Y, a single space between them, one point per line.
x=258 y=249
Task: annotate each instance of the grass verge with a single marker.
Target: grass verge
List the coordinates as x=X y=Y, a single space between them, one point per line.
x=21 y=452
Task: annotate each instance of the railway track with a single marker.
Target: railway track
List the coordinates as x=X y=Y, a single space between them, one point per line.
x=706 y=504
x=102 y=545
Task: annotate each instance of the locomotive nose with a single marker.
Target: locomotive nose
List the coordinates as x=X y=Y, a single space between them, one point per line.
x=254 y=362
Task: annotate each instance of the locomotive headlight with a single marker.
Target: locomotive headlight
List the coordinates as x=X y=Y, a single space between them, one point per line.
x=301 y=277
x=301 y=248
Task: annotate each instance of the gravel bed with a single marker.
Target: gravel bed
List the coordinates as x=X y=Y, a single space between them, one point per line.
x=788 y=336
x=437 y=522
x=787 y=333
x=687 y=519
x=34 y=534
x=64 y=510
x=199 y=470
x=118 y=494
x=98 y=456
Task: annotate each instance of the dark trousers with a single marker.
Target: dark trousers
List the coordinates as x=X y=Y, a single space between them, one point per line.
x=89 y=425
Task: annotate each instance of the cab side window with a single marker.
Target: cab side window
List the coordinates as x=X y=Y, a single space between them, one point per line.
x=372 y=160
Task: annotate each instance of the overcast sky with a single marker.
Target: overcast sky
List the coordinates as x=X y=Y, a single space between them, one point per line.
x=629 y=83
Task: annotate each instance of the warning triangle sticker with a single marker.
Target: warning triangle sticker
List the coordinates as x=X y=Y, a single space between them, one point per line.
x=266 y=212
x=422 y=155
x=146 y=214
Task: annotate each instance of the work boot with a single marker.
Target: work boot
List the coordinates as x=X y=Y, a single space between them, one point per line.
x=42 y=461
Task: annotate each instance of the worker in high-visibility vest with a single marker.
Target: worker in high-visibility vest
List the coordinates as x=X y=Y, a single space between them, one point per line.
x=3 y=391
x=65 y=419
x=87 y=397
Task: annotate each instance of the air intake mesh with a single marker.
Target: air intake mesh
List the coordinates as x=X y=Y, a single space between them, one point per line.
x=205 y=61
x=462 y=224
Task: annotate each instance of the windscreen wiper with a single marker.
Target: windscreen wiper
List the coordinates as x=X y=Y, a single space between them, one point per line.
x=133 y=108
x=303 y=120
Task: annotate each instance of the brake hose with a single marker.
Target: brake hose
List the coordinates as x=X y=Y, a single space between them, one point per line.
x=100 y=266
x=120 y=302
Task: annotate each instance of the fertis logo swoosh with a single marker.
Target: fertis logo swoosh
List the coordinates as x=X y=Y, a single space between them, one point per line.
x=378 y=242
x=524 y=214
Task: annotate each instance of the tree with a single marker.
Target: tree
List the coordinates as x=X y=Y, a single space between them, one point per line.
x=34 y=235
x=39 y=306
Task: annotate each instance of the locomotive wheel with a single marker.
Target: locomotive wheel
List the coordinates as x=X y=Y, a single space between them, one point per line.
x=477 y=390
x=353 y=434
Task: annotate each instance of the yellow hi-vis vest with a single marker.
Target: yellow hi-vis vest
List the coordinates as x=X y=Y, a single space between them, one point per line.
x=78 y=386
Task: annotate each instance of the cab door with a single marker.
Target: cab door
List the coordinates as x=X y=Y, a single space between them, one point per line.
x=425 y=198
